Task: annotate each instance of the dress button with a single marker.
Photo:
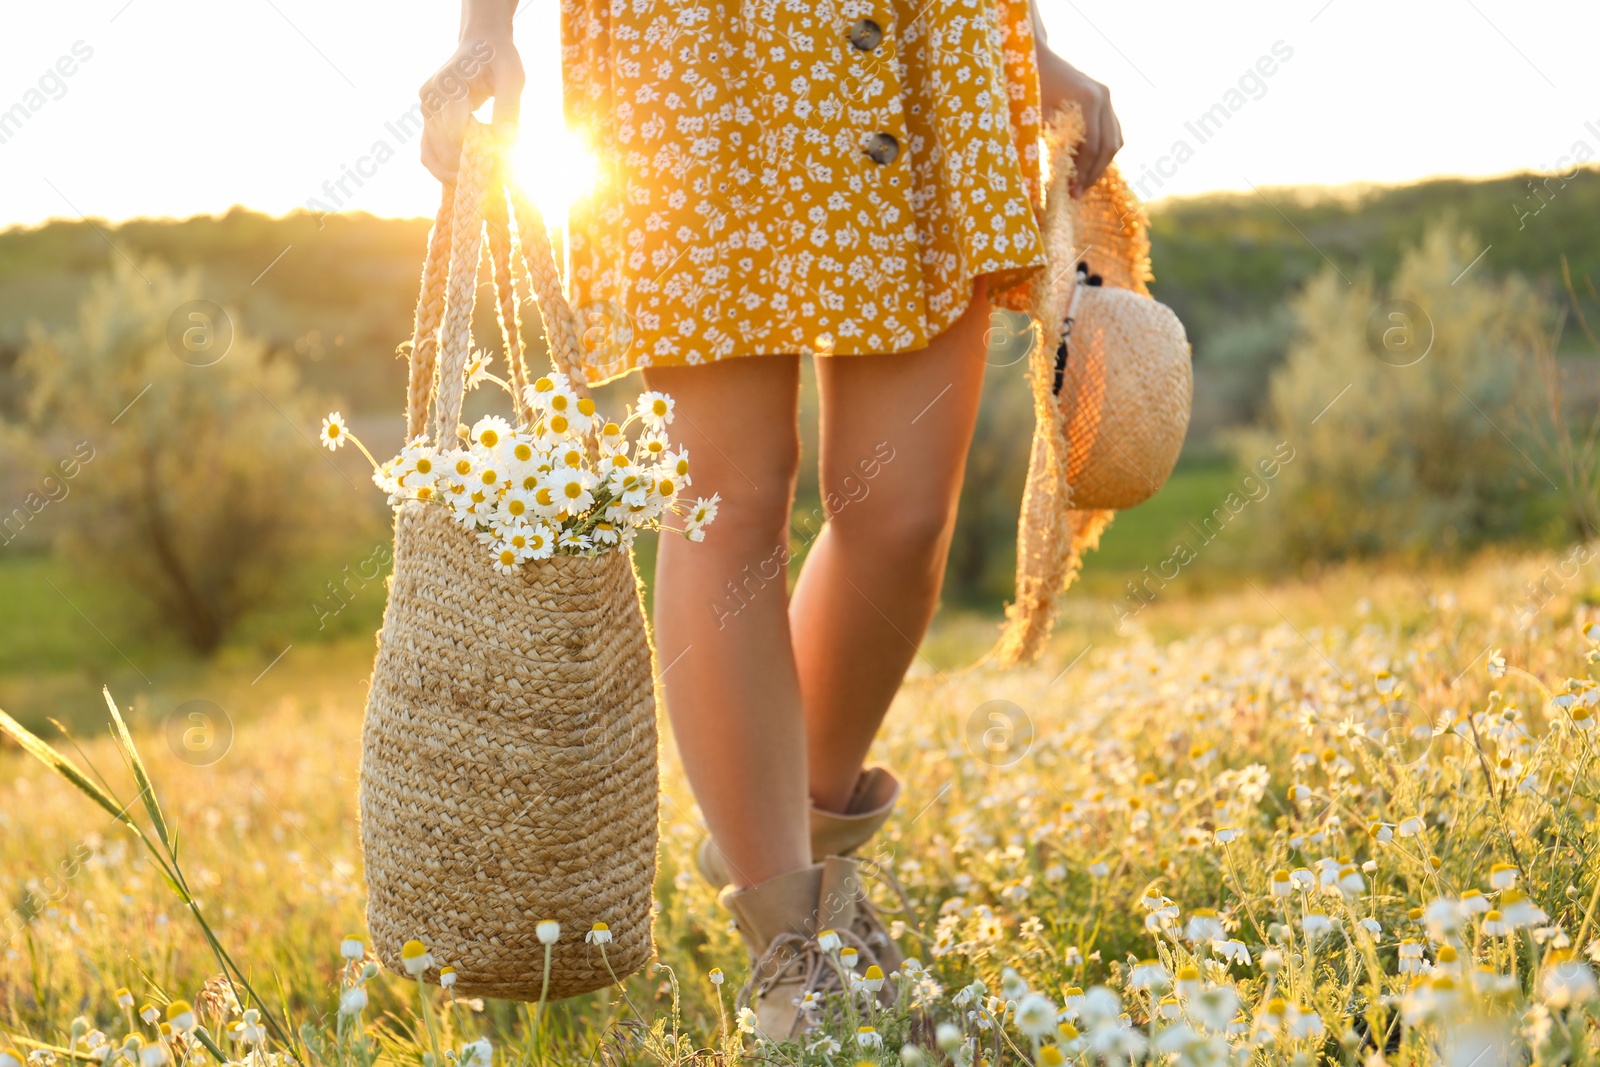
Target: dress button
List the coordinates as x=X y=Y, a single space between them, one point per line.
x=881 y=148
x=865 y=35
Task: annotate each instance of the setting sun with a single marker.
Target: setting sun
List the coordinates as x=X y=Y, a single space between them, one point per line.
x=554 y=166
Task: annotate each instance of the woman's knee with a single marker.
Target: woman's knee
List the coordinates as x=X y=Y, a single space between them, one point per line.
x=897 y=529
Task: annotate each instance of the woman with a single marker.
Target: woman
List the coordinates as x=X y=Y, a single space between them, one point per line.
x=852 y=178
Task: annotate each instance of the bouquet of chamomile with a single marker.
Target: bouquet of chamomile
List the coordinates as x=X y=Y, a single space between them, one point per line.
x=540 y=488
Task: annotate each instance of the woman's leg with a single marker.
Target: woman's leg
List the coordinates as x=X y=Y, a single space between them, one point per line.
x=895 y=431
x=722 y=625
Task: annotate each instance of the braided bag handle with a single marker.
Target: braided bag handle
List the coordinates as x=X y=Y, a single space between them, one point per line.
x=521 y=258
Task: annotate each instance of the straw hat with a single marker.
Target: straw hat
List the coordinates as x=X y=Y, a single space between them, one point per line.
x=1112 y=384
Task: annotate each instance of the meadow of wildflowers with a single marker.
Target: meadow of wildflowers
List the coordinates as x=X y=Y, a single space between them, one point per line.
x=1345 y=820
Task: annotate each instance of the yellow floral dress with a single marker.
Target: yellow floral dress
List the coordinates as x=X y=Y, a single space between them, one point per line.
x=786 y=176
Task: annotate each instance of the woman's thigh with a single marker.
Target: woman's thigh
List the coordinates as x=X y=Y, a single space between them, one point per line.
x=738 y=418
x=895 y=428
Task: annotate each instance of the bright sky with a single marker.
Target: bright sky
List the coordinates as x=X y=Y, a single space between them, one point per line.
x=179 y=107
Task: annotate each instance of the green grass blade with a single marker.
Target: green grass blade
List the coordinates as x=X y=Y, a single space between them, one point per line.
x=141 y=777
x=44 y=753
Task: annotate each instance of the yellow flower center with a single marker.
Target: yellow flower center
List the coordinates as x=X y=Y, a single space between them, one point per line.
x=488 y=438
x=424 y=465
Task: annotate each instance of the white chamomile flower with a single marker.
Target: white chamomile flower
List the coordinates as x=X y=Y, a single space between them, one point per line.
x=417 y=466
x=541 y=541
x=516 y=507
x=666 y=486
x=599 y=934
x=519 y=537
x=611 y=440
x=704 y=510
x=490 y=432
x=654 y=409
x=415 y=957
x=605 y=533
x=650 y=447
x=478 y=369
x=548 y=931
x=353 y=1001
x=573 y=541
x=505 y=558
x=334 y=431
x=571 y=488
x=676 y=462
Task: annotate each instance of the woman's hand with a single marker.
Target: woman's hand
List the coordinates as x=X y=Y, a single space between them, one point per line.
x=485 y=65
x=1061 y=83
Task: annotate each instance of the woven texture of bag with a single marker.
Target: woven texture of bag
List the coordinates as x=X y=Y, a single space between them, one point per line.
x=509 y=752
x=1109 y=435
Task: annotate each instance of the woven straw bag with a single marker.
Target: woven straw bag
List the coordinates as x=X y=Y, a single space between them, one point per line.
x=1112 y=386
x=508 y=768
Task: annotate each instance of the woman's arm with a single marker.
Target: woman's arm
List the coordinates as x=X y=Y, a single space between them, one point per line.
x=1061 y=83
x=485 y=65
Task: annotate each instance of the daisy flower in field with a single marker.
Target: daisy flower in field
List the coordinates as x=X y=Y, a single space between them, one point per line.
x=654 y=409
x=1519 y=911
x=352 y=947
x=353 y=1001
x=1232 y=950
x=1203 y=926
x=334 y=431
x=181 y=1016
x=1148 y=974
x=599 y=934
x=1502 y=876
x=1567 y=980
x=1411 y=961
x=415 y=957
x=1497 y=664
x=249 y=1029
x=479 y=1053
x=1036 y=1015
x=1316 y=925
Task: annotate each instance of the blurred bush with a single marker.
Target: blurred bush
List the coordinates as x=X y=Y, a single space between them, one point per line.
x=1403 y=412
x=204 y=484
